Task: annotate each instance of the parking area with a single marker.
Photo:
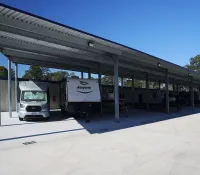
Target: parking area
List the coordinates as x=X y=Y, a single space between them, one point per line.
x=138 y=129
x=157 y=144
x=13 y=129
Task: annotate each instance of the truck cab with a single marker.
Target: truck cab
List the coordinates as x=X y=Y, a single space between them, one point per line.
x=34 y=100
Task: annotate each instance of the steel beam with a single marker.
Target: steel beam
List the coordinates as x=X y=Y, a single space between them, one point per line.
x=9 y=89
x=67 y=38
x=89 y=73
x=43 y=48
x=116 y=90
x=133 y=88
x=122 y=82
x=147 y=87
x=70 y=39
x=16 y=86
x=0 y=101
x=192 y=94
x=35 y=54
x=173 y=83
x=50 y=64
x=16 y=55
x=100 y=87
x=147 y=81
x=167 y=92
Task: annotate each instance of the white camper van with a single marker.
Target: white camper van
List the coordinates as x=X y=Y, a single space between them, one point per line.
x=80 y=96
x=34 y=100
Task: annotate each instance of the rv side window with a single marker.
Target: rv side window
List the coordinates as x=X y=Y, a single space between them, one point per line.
x=34 y=96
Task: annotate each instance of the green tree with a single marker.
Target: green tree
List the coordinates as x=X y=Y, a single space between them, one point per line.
x=137 y=83
x=4 y=72
x=59 y=75
x=194 y=63
x=153 y=85
x=108 y=80
x=127 y=82
x=73 y=75
x=34 y=72
x=43 y=73
x=46 y=73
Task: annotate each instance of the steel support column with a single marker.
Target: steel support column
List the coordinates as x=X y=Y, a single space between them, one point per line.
x=159 y=84
x=89 y=74
x=0 y=101
x=173 y=85
x=167 y=92
x=9 y=89
x=133 y=88
x=16 y=86
x=100 y=87
x=122 y=82
x=116 y=90
x=82 y=76
x=147 y=87
x=192 y=94
x=177 y=87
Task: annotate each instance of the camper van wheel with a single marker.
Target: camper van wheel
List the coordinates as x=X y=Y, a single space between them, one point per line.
x=20 y=119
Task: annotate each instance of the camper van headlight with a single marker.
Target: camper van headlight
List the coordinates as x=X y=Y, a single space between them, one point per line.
x=22 y=105
x=44 y=106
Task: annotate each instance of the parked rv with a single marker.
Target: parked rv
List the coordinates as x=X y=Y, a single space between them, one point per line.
x=80 y=96
x=34 y=100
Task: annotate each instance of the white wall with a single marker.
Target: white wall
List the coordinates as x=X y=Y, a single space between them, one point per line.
x=4 y=95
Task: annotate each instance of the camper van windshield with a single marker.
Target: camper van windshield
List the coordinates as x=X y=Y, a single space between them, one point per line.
x=34 y=96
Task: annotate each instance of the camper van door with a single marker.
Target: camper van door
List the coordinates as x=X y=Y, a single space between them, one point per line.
x=83 y=90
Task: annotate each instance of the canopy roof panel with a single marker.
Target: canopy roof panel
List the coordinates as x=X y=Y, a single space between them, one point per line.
x=30 y=39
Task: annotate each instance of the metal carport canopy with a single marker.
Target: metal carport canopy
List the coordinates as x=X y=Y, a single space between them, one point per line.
x=30 y=39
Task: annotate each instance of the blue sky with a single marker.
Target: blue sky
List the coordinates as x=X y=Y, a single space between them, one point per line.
x=167 y=29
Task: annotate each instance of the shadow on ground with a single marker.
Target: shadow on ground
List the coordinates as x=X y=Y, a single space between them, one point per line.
x=106 y=123
x=135 y=118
